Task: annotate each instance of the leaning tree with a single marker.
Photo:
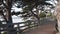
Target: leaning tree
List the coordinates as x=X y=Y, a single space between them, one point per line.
x=57 y=14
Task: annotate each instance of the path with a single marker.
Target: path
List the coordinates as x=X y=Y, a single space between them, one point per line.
x=44 y=29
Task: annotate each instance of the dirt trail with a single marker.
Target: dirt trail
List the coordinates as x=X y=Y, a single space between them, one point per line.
x=44 y=29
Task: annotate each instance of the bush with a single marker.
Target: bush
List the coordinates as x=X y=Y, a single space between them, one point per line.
x=42 y=14
x=4 y=33
x=50 y=14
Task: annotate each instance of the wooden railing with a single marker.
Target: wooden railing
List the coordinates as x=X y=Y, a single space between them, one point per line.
x=25 y=26
x=18 y=27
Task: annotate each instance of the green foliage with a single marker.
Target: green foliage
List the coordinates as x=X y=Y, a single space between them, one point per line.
x=4 y=33
x=25 y=10
x=42 y=14
x=50 y=14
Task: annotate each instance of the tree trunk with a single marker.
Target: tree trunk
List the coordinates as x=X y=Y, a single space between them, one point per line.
x=9 y=4
x=57 y=14
x=10 y=28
